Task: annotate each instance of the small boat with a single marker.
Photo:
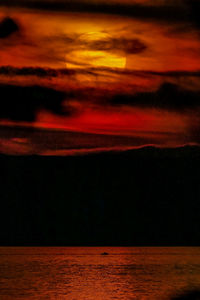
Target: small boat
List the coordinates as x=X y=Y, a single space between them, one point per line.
x=105 y=253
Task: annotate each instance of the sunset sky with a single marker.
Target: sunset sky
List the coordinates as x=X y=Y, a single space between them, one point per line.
x=90 y=76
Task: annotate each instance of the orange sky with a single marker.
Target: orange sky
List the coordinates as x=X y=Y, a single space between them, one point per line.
x=107 y=56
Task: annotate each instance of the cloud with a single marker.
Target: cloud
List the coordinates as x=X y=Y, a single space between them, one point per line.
x=170 y=11
x=50 y=72
x=20 y=103
x=169 y=97
x=7 y=27
x=108 y=43
x=176 y=92
x=15 y=146
x=33 y=140
x=193 y=10
x=34 y=71
x=189 y=295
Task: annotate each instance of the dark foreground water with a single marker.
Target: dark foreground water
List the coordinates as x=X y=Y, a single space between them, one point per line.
x=83 y=273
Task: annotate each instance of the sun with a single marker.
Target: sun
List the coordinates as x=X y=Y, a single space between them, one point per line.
x=88 y=57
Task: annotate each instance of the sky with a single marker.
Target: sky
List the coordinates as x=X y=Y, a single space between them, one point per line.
x=79 y=77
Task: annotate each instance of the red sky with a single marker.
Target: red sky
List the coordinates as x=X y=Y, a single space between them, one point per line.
x=134 y=79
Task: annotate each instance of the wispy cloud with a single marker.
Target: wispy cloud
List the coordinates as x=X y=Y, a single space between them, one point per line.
x=104 y=42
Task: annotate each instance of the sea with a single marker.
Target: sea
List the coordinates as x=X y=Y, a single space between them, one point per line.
x=97 y=273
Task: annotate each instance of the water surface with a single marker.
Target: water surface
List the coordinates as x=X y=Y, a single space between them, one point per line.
x=83 y=273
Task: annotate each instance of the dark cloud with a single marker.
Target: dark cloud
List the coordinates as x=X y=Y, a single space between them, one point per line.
x=106 y=42
x=7 y=27
x=143 y=197
x=170 y=12
x=59 y=140
x=192 y=295
x=32 y=71
x=194 y=11
x=173 y=73
x=131 y=46
x=19 y=103
x=50 y=72
x=169 y=96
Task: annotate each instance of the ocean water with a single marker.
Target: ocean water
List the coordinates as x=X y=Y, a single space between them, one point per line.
x=83 y=273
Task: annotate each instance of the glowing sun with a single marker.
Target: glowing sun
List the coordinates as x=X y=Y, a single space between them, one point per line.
x=87 y=57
